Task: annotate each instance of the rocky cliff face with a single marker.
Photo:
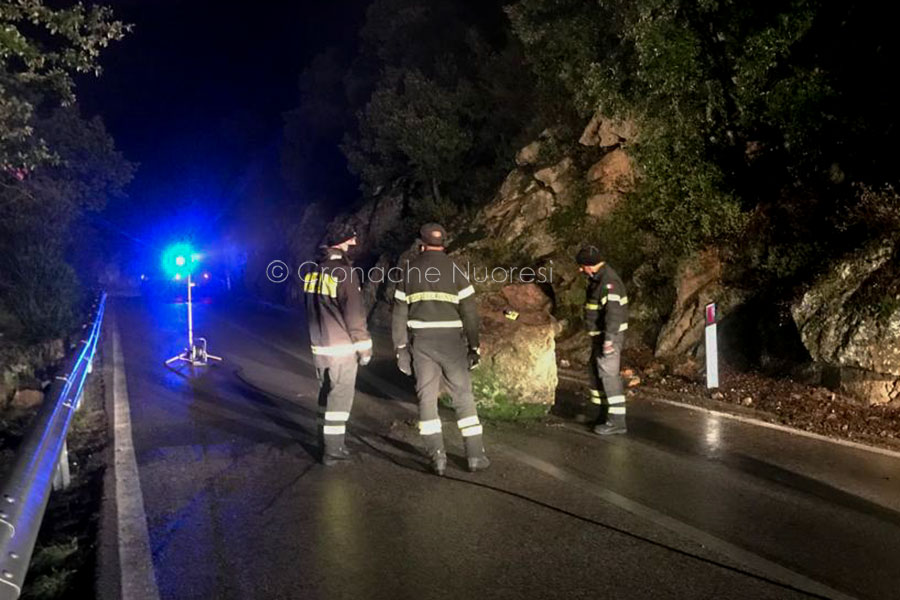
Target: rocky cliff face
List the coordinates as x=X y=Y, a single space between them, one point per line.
x=513 y=231
x=698 y=282
x=849 y=320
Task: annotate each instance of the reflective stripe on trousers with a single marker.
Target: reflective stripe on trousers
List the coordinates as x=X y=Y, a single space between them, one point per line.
x=444 y=359
x=342 y=349
x=604 y=373
x=337 y=383
x=469 y=426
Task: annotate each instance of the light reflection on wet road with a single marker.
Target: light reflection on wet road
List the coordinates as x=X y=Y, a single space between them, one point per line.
x=237 y=507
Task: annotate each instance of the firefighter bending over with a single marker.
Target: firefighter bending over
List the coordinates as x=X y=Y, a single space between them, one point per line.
x=606 y=319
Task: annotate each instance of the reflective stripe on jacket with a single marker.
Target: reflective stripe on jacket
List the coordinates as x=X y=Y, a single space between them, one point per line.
x=334 y=307
x=434 y=295
x=606 y=308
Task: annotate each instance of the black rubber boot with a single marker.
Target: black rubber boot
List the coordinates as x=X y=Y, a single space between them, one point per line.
x=602 y=415
x=615 y=424
x=439 y=463
x=479 y=464
x=434 y=448
x=333 y=456
x=475 y=453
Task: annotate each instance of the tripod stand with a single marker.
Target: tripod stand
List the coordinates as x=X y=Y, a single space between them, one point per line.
x=195 y=354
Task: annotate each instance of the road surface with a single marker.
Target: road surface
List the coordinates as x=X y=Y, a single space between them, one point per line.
x=686 y=505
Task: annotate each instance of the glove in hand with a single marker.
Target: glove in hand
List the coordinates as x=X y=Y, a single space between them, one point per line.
x=474 y=357
x=364 y=357
x=404 y=360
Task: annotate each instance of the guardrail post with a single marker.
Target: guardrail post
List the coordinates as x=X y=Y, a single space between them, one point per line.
x=79 y=398
x=62 y=477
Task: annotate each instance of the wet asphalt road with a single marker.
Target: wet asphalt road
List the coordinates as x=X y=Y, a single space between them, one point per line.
x=685 y=506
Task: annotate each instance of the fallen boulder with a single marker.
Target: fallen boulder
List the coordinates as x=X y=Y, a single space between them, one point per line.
x=849 y=320
x=518 y=347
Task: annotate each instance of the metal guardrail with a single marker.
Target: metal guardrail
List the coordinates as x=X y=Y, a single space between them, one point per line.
x=42 y=462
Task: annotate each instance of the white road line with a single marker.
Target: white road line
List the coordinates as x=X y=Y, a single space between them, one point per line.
x=757 y=422
x=136 y=565
x=777 y=427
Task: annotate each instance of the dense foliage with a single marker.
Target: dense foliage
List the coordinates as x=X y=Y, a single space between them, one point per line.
x=437 y=94
x=738 y=104
x=757 y=121
x=41 y=48
x=42 y=228
x=54 y=165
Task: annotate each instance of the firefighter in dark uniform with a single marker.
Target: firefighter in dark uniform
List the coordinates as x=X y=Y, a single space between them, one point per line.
x=435 y=331
x=606 y=318
x=338 y=336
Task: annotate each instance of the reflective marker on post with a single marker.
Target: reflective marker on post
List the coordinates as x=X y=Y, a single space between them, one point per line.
x=712 y=351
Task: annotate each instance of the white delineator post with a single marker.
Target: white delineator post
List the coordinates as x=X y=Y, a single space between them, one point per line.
x=712 y=350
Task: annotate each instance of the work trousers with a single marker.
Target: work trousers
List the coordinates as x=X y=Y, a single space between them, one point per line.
x=440 y=360
x=604 y=371
x=337 y=384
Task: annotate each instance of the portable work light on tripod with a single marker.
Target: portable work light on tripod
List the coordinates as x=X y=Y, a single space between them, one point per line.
x=180 y=260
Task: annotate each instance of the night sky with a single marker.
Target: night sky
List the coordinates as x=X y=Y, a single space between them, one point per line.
x=195 y=94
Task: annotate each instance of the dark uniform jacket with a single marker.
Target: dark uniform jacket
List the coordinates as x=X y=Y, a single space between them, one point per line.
x=334 y=308
x=434 y=296
x=606 y=308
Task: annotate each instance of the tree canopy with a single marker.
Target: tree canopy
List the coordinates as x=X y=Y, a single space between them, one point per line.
x=55 y=165
x=419 y=99
x=41 y=49
x=751 y=117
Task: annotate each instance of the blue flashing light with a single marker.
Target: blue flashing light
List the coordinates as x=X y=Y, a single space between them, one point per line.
x=179 y=260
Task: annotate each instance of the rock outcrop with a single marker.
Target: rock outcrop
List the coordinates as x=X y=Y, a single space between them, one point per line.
x=610 y=178
x=21 y=367
x=697 y=283
x=849 y=319
x=613 y=172
x=512 y=231
x=518 y=215
x=529 y=154
x=26 y=399
x=605 y=133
